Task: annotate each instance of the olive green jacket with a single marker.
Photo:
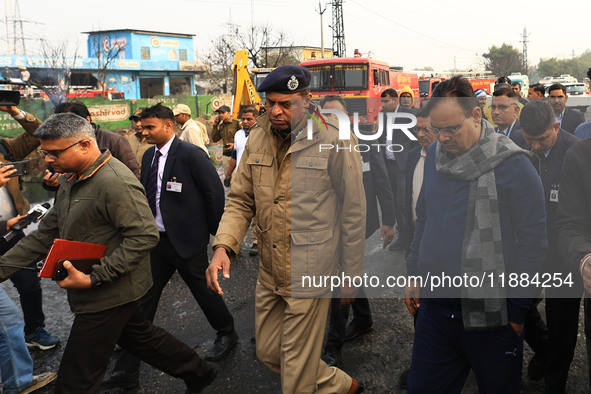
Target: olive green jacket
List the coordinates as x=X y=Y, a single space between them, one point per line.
x=18 y=148
x=107 y=205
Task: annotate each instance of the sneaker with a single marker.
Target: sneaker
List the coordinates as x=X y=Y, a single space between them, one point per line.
x=41 y=339
x=39 y=381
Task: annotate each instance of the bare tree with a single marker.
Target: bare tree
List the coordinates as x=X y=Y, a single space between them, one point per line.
x=54 y=80
x=259 y=40
x=220 y=58
x=106 y=53
x=266 y=48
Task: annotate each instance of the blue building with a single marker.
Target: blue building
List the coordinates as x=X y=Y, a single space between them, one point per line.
x=139 y=63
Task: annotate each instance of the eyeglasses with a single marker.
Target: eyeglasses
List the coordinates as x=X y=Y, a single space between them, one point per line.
x=424 y=129
x=500 y=107
x=54 y=154
x=450 y=130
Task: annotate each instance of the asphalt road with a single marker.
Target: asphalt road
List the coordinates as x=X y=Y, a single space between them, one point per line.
x=377 y=358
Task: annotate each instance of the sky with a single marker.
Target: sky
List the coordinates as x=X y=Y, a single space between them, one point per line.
x=411 y=33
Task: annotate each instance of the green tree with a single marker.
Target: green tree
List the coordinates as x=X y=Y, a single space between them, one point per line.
x=503 y=60
x=577 y=66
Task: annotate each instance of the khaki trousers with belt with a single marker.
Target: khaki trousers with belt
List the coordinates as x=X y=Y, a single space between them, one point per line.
x=289 y=335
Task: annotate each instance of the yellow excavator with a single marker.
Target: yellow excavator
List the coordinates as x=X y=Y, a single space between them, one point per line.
x=244 y=91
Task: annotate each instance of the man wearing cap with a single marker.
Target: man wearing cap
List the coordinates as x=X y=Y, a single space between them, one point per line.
x=224 y=128
x=139 y=144
x=192 y=131
x=406 y=99
x=309 y=203
x=482 y=97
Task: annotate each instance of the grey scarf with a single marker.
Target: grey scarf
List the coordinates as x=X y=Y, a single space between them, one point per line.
x=482 y=248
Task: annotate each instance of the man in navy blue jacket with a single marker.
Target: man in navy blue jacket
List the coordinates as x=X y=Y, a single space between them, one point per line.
x=550 y=143
x=187 y=199
x=480 y=216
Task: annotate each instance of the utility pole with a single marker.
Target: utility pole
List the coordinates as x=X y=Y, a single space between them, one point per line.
x=524 y=53
x=338 y=29
x=7 y=28
x=321 y=12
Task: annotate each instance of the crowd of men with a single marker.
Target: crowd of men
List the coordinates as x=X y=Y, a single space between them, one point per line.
x=490 y=187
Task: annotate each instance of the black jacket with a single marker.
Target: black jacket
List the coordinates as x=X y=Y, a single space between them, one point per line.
x=572 y=228
x=118 y=146
x=194 y=213
x=377 y=188
x=571 y=119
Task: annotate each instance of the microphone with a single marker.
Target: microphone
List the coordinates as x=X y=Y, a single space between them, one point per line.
x=34 y=215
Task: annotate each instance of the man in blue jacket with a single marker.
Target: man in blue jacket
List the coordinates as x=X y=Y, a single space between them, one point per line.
x=480 y=221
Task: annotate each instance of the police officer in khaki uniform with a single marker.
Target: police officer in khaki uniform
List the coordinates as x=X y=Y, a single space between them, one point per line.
x=310 y=213
x=224 y=129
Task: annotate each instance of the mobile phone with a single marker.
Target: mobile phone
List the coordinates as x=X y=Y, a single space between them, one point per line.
x=22 y=167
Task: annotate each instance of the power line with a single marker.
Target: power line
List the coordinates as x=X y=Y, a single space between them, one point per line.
x=411 y=29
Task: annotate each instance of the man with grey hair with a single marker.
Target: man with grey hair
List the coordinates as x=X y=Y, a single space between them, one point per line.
x=100 y=201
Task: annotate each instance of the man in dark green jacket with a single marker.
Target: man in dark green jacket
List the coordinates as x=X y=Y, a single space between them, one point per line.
x=101 y=201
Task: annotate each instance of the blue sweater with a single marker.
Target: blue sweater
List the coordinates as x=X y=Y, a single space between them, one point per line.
x=441 y=219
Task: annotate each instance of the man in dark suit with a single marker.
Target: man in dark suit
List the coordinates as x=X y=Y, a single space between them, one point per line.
x=504 y=111
x=554 y=346
x=396 y=154
x=377 y=188
x=572 y=227
x=568 y=118
x=187 y=199
x=414 y=181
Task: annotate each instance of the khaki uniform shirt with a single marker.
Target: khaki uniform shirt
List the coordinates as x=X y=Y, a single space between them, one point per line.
x=309 y=205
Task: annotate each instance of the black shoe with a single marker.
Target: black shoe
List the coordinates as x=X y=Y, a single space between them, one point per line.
x=535 y=369
x=122 y=380
x=205 y=380
x=353 y=331
x=403 y=379
x=396 y=245
x=222 y=346
x=332 y=359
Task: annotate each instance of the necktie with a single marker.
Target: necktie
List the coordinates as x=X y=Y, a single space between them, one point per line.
x=151 y=187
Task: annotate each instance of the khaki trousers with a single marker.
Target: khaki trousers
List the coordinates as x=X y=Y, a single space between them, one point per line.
x=289 y=334
x=226 y=164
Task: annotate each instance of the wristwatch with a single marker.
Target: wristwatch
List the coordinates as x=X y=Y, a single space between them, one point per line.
x=94 y=280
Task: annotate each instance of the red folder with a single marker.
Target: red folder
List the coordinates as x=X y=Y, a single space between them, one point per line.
x=64 y=250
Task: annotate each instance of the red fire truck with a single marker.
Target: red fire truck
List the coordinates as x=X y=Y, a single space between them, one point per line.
x=360 y=81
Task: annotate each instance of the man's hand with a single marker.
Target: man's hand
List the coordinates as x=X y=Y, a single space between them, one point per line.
x=14 y=111
x=387 y=235
x=347 y=295
x=5 y=173
x=13 y=221
x=412 y=297
x=518 y=328
x=229 y=148
x=76 y=280
x=219 y=261
x=50 y=178
x=227 y=180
